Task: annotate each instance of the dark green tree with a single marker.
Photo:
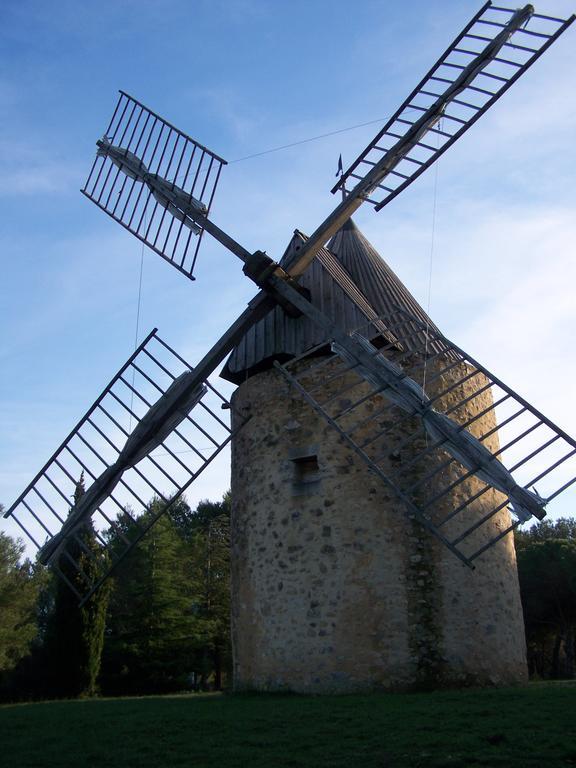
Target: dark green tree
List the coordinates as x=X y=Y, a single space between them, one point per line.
x=209 y=575
x=207 y=533
x=19 y=588
x=149 y=643
x=168 y=624
x=75 y=635
x=189 y=522
x=562 y=528
x=547 y=573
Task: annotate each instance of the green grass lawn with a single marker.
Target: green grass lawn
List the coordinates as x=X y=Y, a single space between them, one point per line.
x=534 y=726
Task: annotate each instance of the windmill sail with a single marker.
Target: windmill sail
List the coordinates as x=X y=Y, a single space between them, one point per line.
x=494 y=49
x=147 y=174
x=149 y=435
x=409 y=396
x=441 y=448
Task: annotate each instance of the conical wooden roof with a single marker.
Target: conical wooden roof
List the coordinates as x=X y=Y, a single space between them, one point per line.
x=349 y=281
x=370 y=273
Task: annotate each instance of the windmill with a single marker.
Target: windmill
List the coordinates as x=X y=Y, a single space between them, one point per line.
x=442 y=447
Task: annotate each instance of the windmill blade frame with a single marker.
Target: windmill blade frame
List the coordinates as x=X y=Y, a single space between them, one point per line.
x=161 y=469
x=139 y=151
x=474 y=80
x=460 y=391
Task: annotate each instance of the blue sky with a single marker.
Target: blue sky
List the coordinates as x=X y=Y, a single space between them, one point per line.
x=243 y=76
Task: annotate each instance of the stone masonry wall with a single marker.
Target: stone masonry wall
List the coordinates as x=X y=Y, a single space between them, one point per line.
x=334 y=588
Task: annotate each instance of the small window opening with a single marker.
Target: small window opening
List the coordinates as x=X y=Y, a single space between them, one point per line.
x=306 y=470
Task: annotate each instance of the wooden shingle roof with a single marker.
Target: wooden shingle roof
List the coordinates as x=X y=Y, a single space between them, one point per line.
x=381 y=287
x=349 y=281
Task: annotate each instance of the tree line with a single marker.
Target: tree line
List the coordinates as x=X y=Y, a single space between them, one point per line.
x=161 y=624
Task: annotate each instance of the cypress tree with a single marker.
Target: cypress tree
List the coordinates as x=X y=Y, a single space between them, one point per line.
x=74 y=634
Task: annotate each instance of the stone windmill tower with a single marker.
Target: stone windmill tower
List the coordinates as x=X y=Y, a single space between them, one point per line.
x=375 y=462
x=334 y=589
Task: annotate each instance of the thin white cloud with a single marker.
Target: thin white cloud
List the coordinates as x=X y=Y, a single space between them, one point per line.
x=35 y=180
x=28 y=167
